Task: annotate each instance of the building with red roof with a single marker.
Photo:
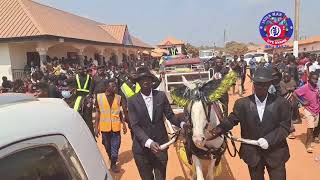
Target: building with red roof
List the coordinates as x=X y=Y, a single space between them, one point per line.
x=31 y=31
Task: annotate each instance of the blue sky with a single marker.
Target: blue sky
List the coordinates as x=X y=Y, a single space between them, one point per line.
x=200 y=22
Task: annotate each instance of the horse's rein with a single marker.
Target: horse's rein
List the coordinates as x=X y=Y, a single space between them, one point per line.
x=207 y=114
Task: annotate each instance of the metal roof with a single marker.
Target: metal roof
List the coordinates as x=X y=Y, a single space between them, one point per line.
x=170 y=41
x=137 y=42
x=25 y=18
x=15 y=21
x=117 y=31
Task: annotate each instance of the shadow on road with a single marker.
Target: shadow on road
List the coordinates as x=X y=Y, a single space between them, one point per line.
x=225 y=175
x=179 y=178
x=226 y=171
x=302 y=137
x=124 y=158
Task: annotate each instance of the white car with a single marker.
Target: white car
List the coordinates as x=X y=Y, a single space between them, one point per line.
x=206 y=55
x=258 y=56
x=45 y=139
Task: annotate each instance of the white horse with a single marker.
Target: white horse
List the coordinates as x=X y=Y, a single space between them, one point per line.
x=202 y=120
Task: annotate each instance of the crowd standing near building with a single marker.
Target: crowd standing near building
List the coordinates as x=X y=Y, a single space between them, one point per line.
x=106 y=89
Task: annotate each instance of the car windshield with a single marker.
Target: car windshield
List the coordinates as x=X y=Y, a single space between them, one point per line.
x=248 y=56
x=206 y=53
x=259 y=55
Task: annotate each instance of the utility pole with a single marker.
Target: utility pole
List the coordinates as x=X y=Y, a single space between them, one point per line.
x=224 y=36
x=297 y=20
x=296 y=28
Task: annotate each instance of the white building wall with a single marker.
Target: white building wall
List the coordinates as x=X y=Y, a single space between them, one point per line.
x=18 y=54
x=60 y=51
x=5 y=63
x=89 y=52
x=314 y=47
x=179 y=48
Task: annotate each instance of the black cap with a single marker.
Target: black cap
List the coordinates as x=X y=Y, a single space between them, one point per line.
x=263 y=75
x=143 y=72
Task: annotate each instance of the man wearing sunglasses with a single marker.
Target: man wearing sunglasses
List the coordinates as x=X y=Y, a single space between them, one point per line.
x=266 y=118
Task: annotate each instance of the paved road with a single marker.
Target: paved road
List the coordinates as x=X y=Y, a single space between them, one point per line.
x=301 y=165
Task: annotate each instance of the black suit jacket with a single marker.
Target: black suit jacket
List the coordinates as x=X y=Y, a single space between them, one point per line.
x=274 y=127
x=141 y=124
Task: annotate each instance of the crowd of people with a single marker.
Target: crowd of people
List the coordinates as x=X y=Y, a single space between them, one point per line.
x=295 y=79
x=57 y=75
x=106 y=90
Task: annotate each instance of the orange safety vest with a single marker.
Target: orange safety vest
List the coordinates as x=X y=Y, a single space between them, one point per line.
x=109 y=116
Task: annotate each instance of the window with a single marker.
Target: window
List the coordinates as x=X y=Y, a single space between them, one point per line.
x=206 y=53
x=43 y=163
x=259 y=55
x=41 y=158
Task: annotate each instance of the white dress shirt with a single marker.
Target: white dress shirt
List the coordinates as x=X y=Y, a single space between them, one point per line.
x=149 y=104
x=148 y=100
x=261 y=106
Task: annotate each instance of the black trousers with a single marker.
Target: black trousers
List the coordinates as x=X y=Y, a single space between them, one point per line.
x=252 y=71
x=295 y=111
x=243 y=80
x=275 y=173
x=87 y=117
x=150 y=167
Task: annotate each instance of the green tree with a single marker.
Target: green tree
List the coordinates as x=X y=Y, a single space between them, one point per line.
x=192 y=50
x=236 y=48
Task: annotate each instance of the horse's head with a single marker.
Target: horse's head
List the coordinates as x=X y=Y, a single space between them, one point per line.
x=198 y=121
x=200 y=115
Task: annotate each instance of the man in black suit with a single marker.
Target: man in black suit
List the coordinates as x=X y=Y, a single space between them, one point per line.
x=146 y=110
x=263 y=117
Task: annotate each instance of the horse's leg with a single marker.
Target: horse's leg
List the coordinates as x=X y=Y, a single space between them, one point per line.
x=210 y=174
x=198 y=175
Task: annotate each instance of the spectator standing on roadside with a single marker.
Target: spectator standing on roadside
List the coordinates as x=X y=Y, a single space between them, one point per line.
x=288 y=85
x=6 y=84
x=308 y=96
x=98 y=81
x=219 y=71
x=52 y=88
x=234 y=65
x=243 y=74
x=293 y=69
x=253 y=66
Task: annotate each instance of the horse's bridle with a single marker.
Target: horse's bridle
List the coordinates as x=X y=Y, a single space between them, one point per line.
x=206 y=110
x=214 y=152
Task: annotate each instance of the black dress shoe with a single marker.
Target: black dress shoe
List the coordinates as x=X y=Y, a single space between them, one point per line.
x=114 y=168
